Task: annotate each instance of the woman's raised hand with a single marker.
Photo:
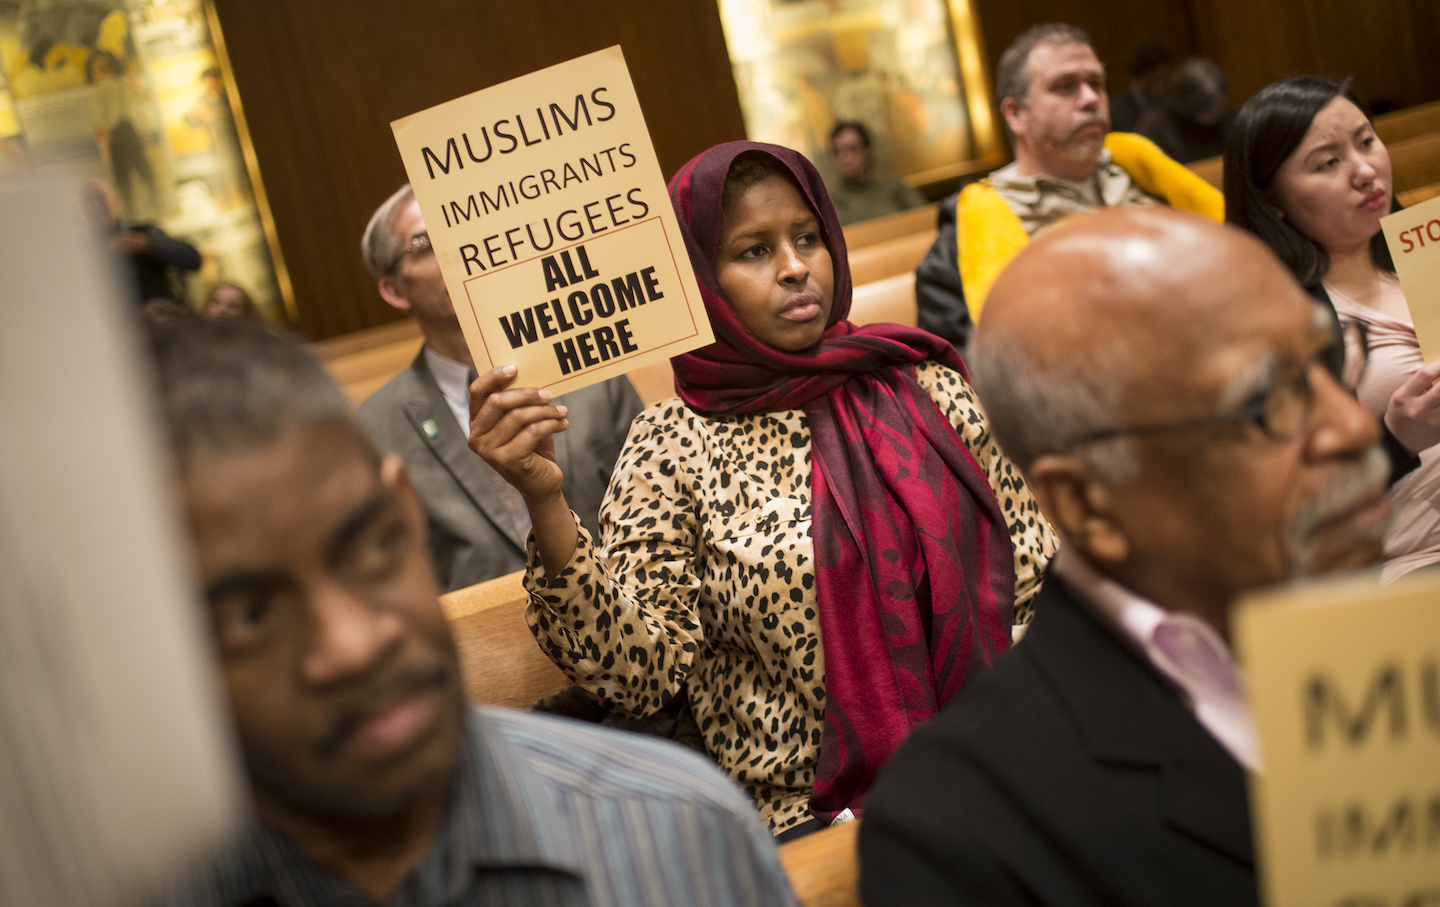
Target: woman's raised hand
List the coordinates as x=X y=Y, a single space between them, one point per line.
x=1414 y=411
x=513 y=430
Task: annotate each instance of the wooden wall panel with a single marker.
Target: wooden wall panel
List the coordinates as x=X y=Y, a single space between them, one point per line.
x=1387 y=45
x=321 y=81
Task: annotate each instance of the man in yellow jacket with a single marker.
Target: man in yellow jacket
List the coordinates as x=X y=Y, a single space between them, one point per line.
x=1051 y=88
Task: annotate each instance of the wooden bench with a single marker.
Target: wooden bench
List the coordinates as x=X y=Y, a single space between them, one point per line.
x=891 y=300
x=1211 y=170
x=1416 y=162
x=500 y=662
x=891 y=226
x=1413 y=197
x=824 y=868
x=889 y=258
x=1399 y=125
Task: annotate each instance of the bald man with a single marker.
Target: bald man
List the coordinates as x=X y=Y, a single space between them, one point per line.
x=1157 y=378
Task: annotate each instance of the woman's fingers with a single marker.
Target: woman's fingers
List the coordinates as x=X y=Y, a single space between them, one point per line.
x=1423 y=381
x=526 y=459
x=490 y=399
x=516 y=423
x=513 y=428
x=1414 y=411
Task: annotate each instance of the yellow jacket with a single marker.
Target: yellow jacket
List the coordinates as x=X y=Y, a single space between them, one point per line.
x=989 y=234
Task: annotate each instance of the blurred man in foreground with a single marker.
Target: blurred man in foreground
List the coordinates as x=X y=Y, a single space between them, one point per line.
x=372 y=780
x=1158 y=379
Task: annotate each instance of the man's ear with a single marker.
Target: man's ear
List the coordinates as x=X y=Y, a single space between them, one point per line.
x=396 y=479
x=390 y=288
x=1080 y=505
x=1011 y=110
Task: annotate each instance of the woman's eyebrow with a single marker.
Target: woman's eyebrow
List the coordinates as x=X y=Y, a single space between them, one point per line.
x=1330 y=147
x=757 y=233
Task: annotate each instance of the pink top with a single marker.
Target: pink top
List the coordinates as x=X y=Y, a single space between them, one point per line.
x=1393 y=355
x=1392 y=352
x=1180 y=646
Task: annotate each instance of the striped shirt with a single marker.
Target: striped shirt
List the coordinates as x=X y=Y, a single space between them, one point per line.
x=547 y=811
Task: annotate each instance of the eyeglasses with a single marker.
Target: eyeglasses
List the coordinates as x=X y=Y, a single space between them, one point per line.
x=1281 y=408
x=419 y=245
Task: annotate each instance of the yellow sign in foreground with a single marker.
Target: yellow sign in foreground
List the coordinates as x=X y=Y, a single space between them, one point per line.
x=548 y=213
x=1345 y=681
x=1413 y=236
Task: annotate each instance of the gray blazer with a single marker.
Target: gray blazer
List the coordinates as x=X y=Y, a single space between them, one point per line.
x=472 y=536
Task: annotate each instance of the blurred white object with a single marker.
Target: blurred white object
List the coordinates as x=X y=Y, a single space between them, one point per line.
x=116 y=765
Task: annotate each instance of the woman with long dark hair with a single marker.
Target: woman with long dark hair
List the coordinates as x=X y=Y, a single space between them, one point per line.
x=818 y=541
x=1305 y=171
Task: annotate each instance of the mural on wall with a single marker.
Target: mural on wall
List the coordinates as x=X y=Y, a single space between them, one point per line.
x=131 y=92
x=801 y=66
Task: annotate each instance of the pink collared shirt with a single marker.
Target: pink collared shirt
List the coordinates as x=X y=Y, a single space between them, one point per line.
x=1180 y=646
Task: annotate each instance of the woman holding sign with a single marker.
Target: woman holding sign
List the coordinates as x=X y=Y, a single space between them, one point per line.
x=1305 y=171
x=818 y=542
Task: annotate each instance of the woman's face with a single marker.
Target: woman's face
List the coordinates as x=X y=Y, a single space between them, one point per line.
x=774 y=266
x=1335 y=186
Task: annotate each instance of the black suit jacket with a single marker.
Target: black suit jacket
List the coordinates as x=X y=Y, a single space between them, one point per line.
x=1069 y=774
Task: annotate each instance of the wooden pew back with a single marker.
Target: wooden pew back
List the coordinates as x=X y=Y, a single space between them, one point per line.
x=883 y=260
x=1211 y=170
x=1399 y=125
x=891 y=226
x=1416 y=161
x=824 y=868
x=500 y=662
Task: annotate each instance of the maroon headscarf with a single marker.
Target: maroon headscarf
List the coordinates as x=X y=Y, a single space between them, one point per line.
x=913 y=562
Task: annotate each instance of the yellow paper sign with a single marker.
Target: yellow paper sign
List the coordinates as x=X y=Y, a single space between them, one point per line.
x=548 y=213
x=1345 y=682
x=1413 y=236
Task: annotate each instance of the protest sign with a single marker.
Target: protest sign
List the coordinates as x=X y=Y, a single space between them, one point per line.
x=1413 y=236
x=1345 y=682
x=547 y=210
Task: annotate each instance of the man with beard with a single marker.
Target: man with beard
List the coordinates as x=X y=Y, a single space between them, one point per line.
x=1159 y=381
x=371 y=779
x=1052 y=95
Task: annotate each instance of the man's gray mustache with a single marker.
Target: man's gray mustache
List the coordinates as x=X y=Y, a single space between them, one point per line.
x=1351 y=485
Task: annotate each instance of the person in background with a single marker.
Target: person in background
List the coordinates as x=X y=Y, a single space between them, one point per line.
x=114 y=97
x=1305 y=171
x=371 y=779
x=819 y=542
x=157 y=314
x=478 y=522
x=229 y=300
x=1161 y=381
x=150 y=256
x=1149 y=68
x=858 y=195
x=1051 y=90
x=1194 y=112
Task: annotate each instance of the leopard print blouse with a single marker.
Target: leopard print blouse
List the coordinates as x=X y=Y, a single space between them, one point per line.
x=705 y=580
